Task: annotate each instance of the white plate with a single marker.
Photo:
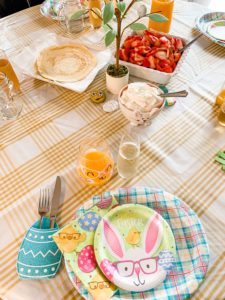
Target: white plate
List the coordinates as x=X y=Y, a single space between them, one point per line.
x=26 y=60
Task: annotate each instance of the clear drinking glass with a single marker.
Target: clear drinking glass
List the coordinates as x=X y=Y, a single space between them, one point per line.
x=128 y=156
x=7 y=69
x=10 y=106
x=68 y=9
x=95 y=161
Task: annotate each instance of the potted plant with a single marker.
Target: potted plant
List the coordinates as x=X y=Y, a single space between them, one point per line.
x=117 y=75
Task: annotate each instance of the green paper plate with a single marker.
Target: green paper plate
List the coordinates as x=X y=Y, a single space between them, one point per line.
x=134 y=247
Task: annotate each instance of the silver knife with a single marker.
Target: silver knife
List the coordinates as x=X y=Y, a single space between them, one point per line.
x=55 y=201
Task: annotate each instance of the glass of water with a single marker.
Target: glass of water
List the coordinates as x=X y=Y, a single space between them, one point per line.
x=69 y=8
x=128 y=156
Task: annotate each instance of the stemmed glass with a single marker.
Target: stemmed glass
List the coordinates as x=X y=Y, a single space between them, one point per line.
x=10 y=106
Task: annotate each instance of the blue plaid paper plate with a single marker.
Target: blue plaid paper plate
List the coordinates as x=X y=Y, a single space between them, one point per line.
x=204 y=24
x=191 y=245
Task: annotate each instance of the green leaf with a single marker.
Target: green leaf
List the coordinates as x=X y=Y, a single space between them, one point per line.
x=121 y=6
x=109 y=37
x=78 y=14
x=158 y=18
x=138 y=26
x=108 y=12
x=106 y=28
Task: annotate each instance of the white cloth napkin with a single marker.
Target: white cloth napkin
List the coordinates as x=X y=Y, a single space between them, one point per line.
x=26 y=59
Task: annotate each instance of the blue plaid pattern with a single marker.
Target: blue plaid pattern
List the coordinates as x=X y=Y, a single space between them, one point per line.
x=192 y=247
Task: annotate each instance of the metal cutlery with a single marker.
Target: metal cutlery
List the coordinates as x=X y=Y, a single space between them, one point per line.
x=183 y=93
x=43 y=204
x=55 y=202
x=190 y=43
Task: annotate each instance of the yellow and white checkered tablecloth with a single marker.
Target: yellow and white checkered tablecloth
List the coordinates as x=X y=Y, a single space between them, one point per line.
x=177 y=151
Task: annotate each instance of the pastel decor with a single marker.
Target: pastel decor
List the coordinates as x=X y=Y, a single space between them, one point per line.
x=76 y=241
x=39 y=257
x=135 y=247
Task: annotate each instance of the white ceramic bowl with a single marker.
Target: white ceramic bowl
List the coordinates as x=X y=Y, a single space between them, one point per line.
x=154 y=75
x=138 y=118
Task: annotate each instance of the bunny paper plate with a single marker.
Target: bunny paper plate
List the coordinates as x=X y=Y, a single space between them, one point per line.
x=134 y=247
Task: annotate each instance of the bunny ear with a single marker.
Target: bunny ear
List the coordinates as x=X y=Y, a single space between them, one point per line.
x=153 y=234
x=113 y=240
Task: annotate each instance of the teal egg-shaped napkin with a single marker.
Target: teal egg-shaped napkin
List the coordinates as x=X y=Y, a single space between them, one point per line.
x=39 y=257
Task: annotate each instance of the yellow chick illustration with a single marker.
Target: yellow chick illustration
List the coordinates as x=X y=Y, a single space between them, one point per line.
x=133 y=237
x=100 y=288
x=68 y=239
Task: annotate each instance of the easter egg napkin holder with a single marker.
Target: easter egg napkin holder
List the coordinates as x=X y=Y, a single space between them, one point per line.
x=76 y=241
x=39 y=257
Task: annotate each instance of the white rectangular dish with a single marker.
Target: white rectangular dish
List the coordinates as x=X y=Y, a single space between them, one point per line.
x=155 y=75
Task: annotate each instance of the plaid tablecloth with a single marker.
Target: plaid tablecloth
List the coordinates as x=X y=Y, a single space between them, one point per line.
x=177 y=151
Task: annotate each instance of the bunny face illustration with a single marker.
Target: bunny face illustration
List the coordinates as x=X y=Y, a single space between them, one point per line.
x=135 y=268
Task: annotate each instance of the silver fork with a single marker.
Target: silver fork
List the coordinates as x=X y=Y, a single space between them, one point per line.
x=43 y=204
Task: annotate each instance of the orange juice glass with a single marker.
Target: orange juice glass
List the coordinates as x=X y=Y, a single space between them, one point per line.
x=164 y=7
x=95 y=162
x=95 y=5
x=7 y=69
x=221 y=96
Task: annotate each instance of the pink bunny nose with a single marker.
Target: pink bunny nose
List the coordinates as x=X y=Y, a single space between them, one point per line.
x=137 y=269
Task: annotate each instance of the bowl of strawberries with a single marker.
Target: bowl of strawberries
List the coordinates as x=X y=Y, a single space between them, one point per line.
x=153 y=55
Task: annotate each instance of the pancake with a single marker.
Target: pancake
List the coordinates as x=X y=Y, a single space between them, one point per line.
x=65 y=63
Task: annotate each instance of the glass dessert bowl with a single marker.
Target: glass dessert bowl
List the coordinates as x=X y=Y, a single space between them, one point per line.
x=141 y=102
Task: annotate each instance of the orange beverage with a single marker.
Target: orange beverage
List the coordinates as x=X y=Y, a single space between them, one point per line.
x=164 y=7
x=95 y=5
x=95 y=162
x=6 y=67
x=221 y=97
x=221 y=114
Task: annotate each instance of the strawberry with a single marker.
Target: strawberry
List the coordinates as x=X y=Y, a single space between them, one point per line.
x=151 y=60
x=177 y=56
x=143 y=50
x=136 y=44
x=123 y=54
x=146 y=62
x=179 y=44
x=146 y=40
x=161 y=54
x=130 y=39
x=163 y=66
x=164 y=41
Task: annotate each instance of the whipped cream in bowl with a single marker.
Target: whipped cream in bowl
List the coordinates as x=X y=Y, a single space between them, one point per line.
x=140 y=102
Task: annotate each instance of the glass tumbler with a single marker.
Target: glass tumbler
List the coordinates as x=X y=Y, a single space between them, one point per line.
x=7 y=69
x=128 y=156
x=95 y=161
x=67 y=11
x=10 y=106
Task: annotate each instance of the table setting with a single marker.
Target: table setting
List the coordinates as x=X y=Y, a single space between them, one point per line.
x=112 y=151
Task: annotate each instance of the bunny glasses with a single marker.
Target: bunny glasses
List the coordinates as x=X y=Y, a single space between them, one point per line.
x=126 y=268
